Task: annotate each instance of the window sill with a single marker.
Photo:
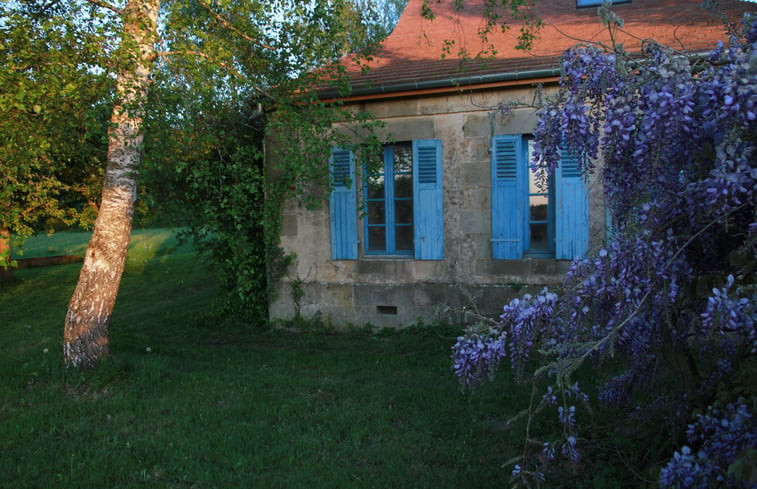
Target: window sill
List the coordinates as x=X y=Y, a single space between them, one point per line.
x=537 y=256
x=386 y=257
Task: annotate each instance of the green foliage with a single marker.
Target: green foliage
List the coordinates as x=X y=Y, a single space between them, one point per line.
x=217 y=63
x=213 y=181
x=231 y=77
x=382 y=15
x=54 y=99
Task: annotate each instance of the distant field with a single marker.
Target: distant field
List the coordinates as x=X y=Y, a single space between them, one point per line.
x=186 y=403
x=75 y=242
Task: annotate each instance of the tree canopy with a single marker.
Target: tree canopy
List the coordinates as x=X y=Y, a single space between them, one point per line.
x=167 y=74
x=54 y=101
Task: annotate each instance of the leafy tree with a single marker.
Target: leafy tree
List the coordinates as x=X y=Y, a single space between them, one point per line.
x=169 y=68
x=85 y=334
x=52 y=114
x=664 y=316
x=208 y=174
x=205 y=153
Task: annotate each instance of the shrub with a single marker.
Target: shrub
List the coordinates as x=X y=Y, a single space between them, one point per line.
x=665 y=312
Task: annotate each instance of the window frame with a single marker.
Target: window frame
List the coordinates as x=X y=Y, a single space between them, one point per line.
x=510 y=205
x=427 y=205
x=389 y=199
x=528 y=249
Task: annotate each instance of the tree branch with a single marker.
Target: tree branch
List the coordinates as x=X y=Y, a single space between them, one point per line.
x=233 y=29
x=229 y=69
x=104 y=4
x=582 y=41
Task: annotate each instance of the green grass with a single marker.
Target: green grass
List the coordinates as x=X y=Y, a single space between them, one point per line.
x=183 y=403
x=144 y=243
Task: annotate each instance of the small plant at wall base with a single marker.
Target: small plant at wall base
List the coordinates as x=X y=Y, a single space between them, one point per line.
x=297 y=294
x=656 y=333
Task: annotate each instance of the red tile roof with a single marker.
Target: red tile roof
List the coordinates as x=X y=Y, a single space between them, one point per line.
x=411 y=57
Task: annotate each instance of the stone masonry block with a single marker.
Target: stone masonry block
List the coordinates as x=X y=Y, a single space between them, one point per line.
x=411 y=129
x=477 y=126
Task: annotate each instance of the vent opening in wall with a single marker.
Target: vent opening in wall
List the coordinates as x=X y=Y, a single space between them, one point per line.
x=386 y=310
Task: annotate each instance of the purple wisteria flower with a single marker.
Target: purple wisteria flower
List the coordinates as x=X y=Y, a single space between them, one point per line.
x=678 y=141
x=476 y=357
x=722 y=437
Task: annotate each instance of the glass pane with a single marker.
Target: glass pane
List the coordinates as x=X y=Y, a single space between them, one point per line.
x=403 y=159
x=404 y=237
x=376 y=212
x=403 y=211
x=376 y=187
x=534 y=185
x=539 y=208
x=377 y=238
x=539 y=237
x=403 y=185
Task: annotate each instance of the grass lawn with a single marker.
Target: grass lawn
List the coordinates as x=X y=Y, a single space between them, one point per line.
x=183 y=403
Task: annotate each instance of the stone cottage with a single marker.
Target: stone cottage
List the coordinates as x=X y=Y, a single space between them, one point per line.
x=453 y=222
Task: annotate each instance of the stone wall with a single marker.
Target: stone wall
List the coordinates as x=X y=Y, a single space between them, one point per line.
x=400 y=292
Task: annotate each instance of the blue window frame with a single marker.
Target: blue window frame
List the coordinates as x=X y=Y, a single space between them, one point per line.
x=388 y=197
x=540 y=228
x=533 y=221
x=402 y=203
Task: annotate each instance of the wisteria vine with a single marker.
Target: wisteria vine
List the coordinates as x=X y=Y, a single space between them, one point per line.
x=671 y=297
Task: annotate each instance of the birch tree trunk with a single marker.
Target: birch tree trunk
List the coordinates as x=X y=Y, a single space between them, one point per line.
x=85 y=336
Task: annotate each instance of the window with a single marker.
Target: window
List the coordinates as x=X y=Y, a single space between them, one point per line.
x=530 y=221
x=597 y=3
x=388 y=197
x=541 y=212
x=402 y=203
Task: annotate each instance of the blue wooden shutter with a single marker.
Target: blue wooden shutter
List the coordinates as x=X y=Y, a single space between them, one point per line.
x=508 y=199
x=572 y=209
x=343 y=205
x=427 y=199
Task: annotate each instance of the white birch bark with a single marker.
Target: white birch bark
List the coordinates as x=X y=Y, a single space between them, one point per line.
x=85 y=337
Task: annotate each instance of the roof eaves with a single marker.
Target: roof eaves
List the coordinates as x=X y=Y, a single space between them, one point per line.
x=383 y=90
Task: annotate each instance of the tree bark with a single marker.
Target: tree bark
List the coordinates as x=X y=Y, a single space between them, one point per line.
x=85 y=336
